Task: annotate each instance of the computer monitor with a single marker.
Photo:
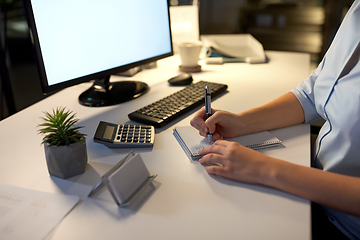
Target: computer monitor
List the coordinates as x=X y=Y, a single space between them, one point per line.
x=81 y=40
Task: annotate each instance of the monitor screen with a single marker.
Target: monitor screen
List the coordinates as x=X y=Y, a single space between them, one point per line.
x=82 y=40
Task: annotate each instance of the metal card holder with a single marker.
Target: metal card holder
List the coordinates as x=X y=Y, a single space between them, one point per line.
x=105 y=182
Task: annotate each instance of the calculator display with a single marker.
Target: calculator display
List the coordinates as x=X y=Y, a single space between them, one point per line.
x=109 y=130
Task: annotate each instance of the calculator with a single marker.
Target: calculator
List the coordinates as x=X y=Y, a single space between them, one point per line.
x=124 y=136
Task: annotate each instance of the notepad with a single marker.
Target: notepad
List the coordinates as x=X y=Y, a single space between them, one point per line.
x=192 y=142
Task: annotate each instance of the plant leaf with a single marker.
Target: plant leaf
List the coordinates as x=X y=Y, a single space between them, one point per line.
x=59 y=127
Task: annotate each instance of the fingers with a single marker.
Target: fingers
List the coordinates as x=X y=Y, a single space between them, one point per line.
x=218 y=159
x=198 y=122
x=218 y=147
x=218 y=170
x=212 y=121
x=214 y=161
x=201 y=124
x=214 y=153
x=216 y=137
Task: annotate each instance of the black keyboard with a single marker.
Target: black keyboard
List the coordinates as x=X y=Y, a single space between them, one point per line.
x=175 y=105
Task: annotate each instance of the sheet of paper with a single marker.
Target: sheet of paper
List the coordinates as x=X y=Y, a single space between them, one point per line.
x=29 y=214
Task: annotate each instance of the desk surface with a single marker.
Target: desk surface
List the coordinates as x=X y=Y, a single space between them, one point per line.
x=184 y=202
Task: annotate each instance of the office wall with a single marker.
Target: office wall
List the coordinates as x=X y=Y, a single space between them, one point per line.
x=220 y=16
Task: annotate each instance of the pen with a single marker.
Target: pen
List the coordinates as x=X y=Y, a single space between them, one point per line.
x=208 y=107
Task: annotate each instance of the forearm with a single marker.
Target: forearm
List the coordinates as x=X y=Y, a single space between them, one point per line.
x=333 y=190
x=281 y=112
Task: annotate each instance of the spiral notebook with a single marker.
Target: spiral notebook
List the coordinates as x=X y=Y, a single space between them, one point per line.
x=192 y=142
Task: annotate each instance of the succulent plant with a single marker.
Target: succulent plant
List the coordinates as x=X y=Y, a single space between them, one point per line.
x=59 y=128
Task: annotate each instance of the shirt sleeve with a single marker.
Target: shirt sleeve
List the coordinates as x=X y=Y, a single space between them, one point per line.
x=305 y=94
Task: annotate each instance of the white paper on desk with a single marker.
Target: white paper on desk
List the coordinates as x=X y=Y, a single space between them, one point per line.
x=239 y=46
x=30 y=214
x=192 y=142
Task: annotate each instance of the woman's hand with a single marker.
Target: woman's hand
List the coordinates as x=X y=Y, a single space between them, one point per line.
x=235 y=162
x=221 y=124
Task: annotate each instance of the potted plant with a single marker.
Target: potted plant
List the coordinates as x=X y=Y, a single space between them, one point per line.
x=65 y=146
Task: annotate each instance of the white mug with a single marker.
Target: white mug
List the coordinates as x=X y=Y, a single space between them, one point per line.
x=189 y=53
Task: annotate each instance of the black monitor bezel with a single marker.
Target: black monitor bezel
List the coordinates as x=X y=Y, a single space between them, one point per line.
x=56 y=87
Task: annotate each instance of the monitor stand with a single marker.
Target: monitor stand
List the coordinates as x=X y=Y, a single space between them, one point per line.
x=105 y=93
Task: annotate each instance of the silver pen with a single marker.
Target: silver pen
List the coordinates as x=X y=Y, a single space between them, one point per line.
x=208 y=107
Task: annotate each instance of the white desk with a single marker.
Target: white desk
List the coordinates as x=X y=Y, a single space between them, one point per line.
x=184 y=202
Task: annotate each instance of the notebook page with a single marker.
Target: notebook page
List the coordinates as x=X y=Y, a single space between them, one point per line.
x=194 y=142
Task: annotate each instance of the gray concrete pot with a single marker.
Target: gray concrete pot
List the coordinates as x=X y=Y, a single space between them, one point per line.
x=66 y=161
